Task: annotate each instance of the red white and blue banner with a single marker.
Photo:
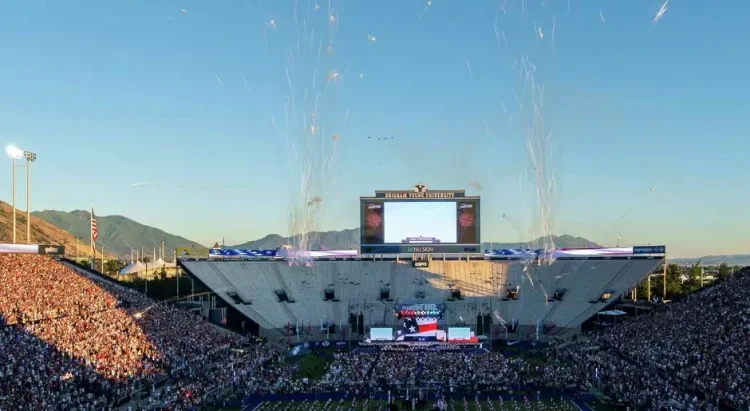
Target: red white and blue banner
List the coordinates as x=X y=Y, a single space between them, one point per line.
x=501 y=253
x=418 y=327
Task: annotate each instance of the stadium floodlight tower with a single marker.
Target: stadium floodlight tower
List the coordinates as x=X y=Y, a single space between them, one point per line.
x=30 y=158
x=15 y=154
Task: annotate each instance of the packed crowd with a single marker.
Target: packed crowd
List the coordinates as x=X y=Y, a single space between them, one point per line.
x=73 y=341
x=349 y=371
x=70 y=340
x=700 y=342
x=691 y=354
x=585 y=364
x=419 y=367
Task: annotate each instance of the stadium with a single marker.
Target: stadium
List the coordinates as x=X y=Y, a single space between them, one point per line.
x=393 y=325
x=508 y=294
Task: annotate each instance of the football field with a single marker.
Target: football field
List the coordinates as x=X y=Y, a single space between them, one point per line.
x=468 y=405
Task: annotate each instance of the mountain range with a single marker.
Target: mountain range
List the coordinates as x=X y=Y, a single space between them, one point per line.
x=42 y=232
x=117 y=234
x=120 y=235
x=741 y=260
x=349 y=239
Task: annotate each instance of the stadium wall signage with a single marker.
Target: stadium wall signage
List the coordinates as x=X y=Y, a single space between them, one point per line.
x=19 y=249
x=51 y=249
x=320 y=344
x=650 y=249
x=420 y=191
x=32 y=249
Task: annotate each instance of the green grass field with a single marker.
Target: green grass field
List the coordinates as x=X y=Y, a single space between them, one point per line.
x=315 y=365
x=381 y=405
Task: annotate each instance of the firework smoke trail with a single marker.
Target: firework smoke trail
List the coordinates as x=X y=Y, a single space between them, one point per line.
x=554 y=28
x=538 y=149
x=426 y=7
x=489 y=133
x=468 y=66
x=529 y=97
x=244 y=80
x=498 y=33
x=660 y=13
x=312 y=126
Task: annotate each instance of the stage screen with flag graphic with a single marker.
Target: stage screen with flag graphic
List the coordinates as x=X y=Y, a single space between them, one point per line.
x=413 y=328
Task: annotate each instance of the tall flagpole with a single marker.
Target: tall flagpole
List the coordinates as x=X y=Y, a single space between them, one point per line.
x=91 y=235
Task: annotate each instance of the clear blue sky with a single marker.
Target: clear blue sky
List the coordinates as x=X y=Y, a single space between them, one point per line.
x=115 y=93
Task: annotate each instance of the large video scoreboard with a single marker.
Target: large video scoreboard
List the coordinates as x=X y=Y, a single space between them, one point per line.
x=419 y=221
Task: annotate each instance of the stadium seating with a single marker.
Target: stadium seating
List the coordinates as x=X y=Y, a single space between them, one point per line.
x=70 y=339
x=482 y=285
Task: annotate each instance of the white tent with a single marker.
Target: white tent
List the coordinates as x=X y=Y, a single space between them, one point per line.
x=160 y=264
x=132 y=268
x=138 y=266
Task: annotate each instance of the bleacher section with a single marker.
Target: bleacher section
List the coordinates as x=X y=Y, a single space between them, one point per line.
x=357 y=285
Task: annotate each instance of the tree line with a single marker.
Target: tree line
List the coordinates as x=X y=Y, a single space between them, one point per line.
x=683 y=280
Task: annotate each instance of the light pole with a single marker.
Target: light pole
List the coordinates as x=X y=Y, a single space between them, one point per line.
x=30 y=158
x=14 y=153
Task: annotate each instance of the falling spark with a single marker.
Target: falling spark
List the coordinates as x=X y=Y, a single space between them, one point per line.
x=540 y=33
x=499 y=33
x=487 y=128
x=332 y=19
x=272 y=23
x=371 y=38
x=317 y=6
x=312 y=130
x=183 y=11
x=361 y=75
x=333 y=75
x=429 y=3
x=660 y=13
x=244 y=80
x=554 y=26
x=601 y=15
x=218 y=80
x=468 y=66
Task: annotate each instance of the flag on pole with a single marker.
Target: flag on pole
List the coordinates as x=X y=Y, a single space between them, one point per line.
x=94 y=236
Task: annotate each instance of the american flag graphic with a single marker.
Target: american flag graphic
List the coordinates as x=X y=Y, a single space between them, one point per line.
x=417 y=327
